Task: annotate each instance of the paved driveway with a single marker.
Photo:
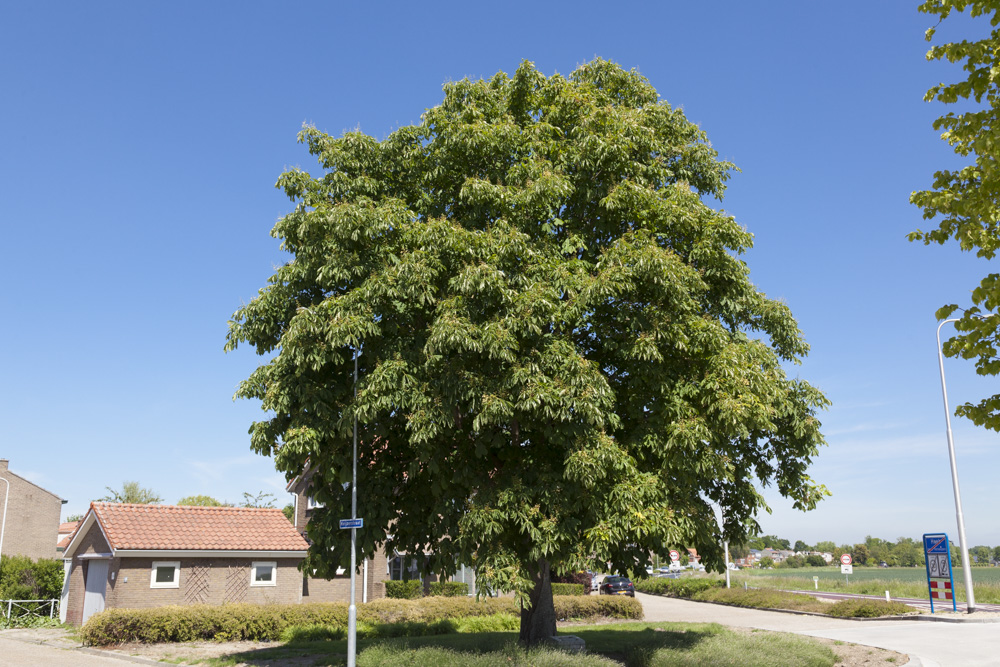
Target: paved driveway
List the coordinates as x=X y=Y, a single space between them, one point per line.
x=935 y=644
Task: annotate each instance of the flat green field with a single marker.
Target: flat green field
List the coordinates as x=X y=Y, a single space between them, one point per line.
x=899 y=581
x=985 y=575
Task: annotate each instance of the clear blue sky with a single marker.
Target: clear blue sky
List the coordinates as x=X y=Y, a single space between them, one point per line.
x=140 y=142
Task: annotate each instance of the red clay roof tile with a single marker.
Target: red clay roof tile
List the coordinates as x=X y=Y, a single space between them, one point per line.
x=172 y=527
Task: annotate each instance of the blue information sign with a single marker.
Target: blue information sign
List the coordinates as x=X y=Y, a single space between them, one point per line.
x=940 y=582
x=351 y=523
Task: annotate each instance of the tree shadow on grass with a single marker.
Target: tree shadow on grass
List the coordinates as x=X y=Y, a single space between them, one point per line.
x=637 y=648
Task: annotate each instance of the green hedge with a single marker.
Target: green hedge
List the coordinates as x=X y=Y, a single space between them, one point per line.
x=567 y=589
x=685 y=587
x=404 y=590
x=24 y=579
x=250 y=622
x=449 y=589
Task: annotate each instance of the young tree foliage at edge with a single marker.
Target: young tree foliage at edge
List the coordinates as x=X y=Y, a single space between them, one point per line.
x=964 y=203
x=564 y=361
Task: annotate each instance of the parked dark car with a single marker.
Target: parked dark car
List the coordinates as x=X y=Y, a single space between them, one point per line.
x=617 y=585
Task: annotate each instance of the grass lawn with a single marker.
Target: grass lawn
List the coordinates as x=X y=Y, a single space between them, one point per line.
x=908 y=582
x=630 y=644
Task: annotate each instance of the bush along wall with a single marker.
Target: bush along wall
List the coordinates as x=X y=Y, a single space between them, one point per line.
x=239 y=622
x=450 y=589
x=404 y=590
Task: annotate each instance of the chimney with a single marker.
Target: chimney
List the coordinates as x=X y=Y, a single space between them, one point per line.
x=3 y=464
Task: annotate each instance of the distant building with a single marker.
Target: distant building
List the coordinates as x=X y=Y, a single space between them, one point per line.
x=30 y=517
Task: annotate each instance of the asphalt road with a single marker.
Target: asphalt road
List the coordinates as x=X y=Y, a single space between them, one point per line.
x=933 y=644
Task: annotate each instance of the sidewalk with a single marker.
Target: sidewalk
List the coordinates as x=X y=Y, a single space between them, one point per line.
x=927 y=644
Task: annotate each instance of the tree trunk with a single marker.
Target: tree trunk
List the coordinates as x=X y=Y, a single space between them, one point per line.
x=538 y=621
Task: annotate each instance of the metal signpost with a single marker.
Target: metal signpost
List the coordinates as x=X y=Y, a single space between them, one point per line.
x=353 y=523
x=846 y=568
x=940 y=582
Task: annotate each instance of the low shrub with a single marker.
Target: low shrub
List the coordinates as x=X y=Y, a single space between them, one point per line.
x=567 y=589
x=404 y=590
x=862 y=608
x=312 y=633
x=491 y=623
x=449 y=589
x=379 y=618
x=761 y=598
x=685 y=587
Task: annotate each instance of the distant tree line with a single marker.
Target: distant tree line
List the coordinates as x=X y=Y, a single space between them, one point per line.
x=904 y=552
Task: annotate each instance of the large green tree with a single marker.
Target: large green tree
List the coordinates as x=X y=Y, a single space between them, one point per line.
x=563 y=361
x=965 y=204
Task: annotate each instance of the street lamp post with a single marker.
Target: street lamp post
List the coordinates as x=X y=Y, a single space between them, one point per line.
x=970 y=598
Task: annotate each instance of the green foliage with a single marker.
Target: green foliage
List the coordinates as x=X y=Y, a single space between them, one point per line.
x=200 y=501
x=568 y=589
x=491 y=623
x=564 y=359
x=289 y=512
x=860 y=554
x=793 y=562
x=379 y=618
x=801 y=546
x=766 y=561
x=74 y=517
x=259 y=500
x=685 y=587
x=404 y=590
x=868 y=608
x=24 y=579
x=449 y=589
x=581 y=577
x=815 y=561
x=962 y=203
x=132 y=492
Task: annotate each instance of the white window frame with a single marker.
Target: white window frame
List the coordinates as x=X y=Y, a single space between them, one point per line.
x=311 y=503
x=274 y=573
x=176 y=583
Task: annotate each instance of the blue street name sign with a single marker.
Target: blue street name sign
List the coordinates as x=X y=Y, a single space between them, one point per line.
x=351 y=523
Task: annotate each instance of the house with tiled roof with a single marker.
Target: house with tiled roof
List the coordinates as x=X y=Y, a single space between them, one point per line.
x=140 y=556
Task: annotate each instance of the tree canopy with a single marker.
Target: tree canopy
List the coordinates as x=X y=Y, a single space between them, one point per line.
x=132 y=492
x=201 y=501
x=964 y=203
x=563 y=361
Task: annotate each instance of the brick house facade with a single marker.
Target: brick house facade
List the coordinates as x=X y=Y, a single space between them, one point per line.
x=141 y=556
x=32 y=517
x=370 y=584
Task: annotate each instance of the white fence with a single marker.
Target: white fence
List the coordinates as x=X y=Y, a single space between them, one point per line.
x=19 y=608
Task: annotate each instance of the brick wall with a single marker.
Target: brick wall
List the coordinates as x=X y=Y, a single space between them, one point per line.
x=202 y=581
x=32 y=528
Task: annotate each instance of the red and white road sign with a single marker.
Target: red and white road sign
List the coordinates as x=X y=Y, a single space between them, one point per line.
x=845 y=559
x=940 y=590
x=674 y=556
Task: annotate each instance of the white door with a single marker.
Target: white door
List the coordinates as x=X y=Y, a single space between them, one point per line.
x=97 y=582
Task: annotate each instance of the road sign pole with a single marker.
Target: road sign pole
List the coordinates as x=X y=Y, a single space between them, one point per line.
x=970 y=598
